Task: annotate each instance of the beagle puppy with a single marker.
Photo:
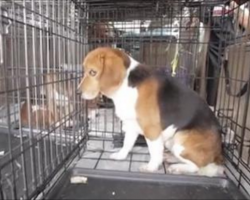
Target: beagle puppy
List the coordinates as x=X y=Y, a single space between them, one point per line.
x=167 y=113
x=59 y=104
x=40 y=116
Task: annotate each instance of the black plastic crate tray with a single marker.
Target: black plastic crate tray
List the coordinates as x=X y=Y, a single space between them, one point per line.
x=124 y=185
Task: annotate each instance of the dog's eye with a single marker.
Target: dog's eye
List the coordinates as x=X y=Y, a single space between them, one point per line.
x=92 y=73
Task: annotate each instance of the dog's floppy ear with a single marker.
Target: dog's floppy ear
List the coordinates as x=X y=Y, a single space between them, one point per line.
x=113 y=72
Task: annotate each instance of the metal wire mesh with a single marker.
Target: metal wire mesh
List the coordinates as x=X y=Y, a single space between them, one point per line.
x=44 y=123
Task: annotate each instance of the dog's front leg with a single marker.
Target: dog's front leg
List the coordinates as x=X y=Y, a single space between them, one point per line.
x=129 y=141
x=156 y=149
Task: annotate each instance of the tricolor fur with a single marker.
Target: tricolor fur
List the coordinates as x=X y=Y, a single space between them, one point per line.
x=166 y=112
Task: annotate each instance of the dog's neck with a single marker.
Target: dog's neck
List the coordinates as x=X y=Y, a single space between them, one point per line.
x=124 y=85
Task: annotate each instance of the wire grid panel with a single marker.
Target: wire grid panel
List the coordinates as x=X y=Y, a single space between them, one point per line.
x=103 y=122
x=233 y=111
x=42 y=118
x=157 y=33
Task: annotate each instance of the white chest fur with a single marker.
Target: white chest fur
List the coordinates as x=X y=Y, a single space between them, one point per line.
x=125 y=100
x=125 y=104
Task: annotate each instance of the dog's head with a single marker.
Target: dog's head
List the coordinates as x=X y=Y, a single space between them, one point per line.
x=101 y=30
x=104 y=70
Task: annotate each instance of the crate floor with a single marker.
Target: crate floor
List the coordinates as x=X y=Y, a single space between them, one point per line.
x=96 y=161
x=97 y=156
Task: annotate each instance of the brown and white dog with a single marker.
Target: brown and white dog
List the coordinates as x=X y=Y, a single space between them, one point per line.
x=58 y=91
x=101 y=31
x=40 y=116
x=166 y=112
x=57 y=94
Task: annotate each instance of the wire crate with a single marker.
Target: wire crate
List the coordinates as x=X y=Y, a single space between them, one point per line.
x=48 y=133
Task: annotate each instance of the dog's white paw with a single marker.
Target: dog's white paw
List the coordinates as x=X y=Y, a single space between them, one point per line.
x=118 y=156
x=148 y=168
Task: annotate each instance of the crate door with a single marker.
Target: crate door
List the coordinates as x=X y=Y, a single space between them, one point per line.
x=233 y=111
